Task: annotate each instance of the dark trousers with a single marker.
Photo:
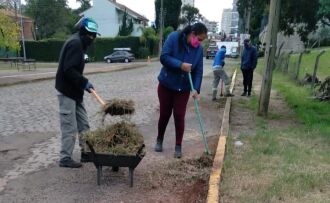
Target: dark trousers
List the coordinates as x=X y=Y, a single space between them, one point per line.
x=169 y=101
x=247 y=79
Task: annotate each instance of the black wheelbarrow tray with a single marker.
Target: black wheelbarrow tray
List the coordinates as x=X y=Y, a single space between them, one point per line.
x=116 y=161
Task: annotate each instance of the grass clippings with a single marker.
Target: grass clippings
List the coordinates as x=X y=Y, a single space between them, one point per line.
x=117 y=107
x=119 y=139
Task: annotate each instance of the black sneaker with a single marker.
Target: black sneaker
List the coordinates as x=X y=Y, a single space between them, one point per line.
x=229 y=95
x=159 y=146
x=178 y=152
x=244 y=94
x=69 y=163
x=249 y=94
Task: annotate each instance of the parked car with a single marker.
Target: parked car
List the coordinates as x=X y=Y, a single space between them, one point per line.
x=234 y=52
x=119 y=56
x=211 y=51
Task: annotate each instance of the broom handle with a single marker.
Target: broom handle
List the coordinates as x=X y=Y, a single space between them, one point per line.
x=98 y=98
x=198 y=114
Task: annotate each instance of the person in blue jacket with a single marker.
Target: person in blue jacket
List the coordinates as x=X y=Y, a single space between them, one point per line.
x=219 y=73
x=181 y=54
x=248 y=64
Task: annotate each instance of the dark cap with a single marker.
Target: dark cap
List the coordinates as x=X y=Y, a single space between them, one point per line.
x=246 y=40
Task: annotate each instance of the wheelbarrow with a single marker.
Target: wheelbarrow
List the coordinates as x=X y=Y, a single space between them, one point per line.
x=114 y=161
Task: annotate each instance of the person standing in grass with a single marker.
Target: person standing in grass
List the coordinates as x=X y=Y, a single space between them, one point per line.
x=248 y=64
x=70 y=85
x=181 y=54
x=220 y=73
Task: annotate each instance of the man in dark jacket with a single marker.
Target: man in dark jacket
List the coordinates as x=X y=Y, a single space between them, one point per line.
x=70 y=85
x=248 y=64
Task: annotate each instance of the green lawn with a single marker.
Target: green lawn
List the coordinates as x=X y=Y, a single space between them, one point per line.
x=308 y=63
x=287 y=159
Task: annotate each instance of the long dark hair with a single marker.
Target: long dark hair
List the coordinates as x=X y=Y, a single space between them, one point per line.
x=198 y=28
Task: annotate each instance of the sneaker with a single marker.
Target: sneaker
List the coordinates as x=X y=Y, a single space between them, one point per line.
x=159 y=146
x=229 y=95
x=249 y=94
x=244 y=94
x=69 y=163
x=178 y=152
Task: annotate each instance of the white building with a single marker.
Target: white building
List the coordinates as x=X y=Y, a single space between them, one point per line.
x=229 y=22
x=109 y=14
x=190 y=2
x=226 y=20
x=212 y=26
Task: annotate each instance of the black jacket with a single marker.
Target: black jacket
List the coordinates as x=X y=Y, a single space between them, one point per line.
x=69 y=77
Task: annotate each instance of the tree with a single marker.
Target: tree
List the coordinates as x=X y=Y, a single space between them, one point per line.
x=324 y=12
x=295 y=16
x=84 y=5
x=127 y=26
x=168 y=31
x=148 y=34
x=51 y=17
x=9 y=33
x=171 y=13
x=190 y=15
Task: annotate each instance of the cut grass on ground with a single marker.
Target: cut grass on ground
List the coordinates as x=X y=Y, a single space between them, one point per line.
x=281 y=163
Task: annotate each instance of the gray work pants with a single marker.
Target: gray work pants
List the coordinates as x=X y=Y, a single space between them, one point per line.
x=73 y=120
x=220 y=74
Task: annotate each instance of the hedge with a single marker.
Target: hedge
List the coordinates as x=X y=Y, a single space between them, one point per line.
x=49 y=50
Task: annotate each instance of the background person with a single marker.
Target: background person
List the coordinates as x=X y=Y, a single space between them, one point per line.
x=182 y=53
x=220 y=73
x=70 y=84
x=248 y=64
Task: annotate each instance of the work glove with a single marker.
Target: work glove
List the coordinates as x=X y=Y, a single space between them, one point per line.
x=88 y=87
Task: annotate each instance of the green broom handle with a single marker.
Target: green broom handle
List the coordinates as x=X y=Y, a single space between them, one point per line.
x=198 y=114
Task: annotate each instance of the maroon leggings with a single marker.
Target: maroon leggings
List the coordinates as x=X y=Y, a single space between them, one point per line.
x=172 y=100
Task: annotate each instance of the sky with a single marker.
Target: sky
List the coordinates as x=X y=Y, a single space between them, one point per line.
x=211 y=9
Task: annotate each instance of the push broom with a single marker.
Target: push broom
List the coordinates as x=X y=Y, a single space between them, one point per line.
x=199 y=118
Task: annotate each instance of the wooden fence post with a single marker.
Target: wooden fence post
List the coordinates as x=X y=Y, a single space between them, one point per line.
x=286 y=67
x=296 y=75
x=316 y=66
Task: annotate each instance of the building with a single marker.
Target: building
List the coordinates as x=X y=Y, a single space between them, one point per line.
x=226 y=21
x=28 y=23
x=212 y=26
x=229 y=23
x=109 y=14
x=189 y=2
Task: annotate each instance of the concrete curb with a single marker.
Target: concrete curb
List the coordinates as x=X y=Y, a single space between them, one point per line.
x=51 y=75
x=215 y=176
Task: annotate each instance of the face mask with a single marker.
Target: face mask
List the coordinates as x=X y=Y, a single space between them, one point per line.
x=195 y=42
x=87 y=41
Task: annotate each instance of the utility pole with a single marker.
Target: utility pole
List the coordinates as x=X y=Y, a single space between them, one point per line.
x=22 y=30
x=161 y=24
x=271 y=40
x=247 y=14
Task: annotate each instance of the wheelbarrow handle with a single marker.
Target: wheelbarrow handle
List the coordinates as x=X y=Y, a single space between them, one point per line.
x=139 y=152
x=98 y=98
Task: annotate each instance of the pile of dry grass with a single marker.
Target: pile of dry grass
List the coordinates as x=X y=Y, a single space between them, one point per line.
x=119 y=107
x=121 y=138
x=324 y=90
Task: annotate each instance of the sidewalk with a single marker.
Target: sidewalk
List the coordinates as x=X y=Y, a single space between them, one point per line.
x=10 y=77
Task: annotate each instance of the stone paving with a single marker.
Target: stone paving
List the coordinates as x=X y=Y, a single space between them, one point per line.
x=32 y=108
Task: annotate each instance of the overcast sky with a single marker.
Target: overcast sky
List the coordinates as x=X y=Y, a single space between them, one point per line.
x=211 y=9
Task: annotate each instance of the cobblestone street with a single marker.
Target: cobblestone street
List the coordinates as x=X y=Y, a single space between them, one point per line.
x=29 y=130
